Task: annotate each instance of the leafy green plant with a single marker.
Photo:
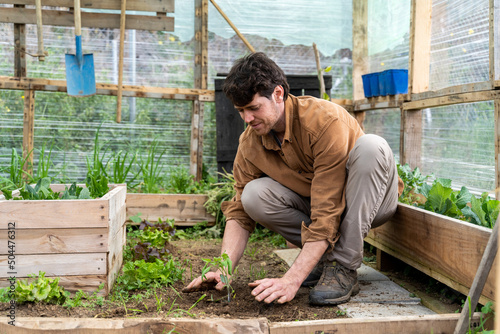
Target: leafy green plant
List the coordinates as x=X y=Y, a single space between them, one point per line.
x=222 y=191
x=413 y=181
x=141 y=274
x=42 y=191
x=17 y=176
x=224 y=264
x=122 y=168
x=439 y=197
x=151 y=240
x=97 y=180
x=151 y=169
x=41 y=289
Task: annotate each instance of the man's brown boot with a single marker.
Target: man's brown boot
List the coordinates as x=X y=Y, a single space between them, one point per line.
x=336 y=285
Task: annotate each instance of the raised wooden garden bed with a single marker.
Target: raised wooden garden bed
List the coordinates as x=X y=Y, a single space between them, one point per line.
x=80 y=241
x=444 y=248
x=187 y=210
x=444 y=323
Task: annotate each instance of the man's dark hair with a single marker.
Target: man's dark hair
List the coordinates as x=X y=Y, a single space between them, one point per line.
x=252 y=74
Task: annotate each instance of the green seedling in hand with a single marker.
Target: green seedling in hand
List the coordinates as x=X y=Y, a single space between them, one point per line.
x=225 y=266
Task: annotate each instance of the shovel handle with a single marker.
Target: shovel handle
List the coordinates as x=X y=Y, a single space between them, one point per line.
x=39 y=29
x=78 y=18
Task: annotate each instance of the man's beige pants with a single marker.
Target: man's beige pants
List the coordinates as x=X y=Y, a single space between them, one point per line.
x=371 y=199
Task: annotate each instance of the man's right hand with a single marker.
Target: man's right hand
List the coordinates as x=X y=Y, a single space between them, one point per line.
x=211 y=281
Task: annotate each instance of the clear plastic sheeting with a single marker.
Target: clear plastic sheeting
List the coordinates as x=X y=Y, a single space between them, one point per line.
x=458 y=143
x=459 y=42
x=285 y=30
x=70 y=130
x=386 y=123
x=388 y=34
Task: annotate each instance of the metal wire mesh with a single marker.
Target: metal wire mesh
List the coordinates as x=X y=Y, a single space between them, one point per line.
x=459 y=42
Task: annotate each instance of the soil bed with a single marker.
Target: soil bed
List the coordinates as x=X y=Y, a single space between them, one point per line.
x=167 y=302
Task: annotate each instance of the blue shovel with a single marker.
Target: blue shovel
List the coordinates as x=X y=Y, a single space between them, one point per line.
x=80 y=76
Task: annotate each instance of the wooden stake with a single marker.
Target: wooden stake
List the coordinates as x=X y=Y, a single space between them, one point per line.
x=250 y=47
x=479 y=281
x=320 y=72
x=120 y=63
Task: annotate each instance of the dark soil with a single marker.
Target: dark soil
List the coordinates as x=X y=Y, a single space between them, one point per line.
x=173 y=303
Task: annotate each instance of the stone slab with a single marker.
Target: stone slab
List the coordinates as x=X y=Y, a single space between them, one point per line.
x=372 y=310
x=378 y=296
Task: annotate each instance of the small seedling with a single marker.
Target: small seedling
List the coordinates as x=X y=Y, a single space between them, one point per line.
x=225 y=266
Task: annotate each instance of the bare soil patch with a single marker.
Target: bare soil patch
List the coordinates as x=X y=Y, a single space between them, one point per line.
x=168 y=302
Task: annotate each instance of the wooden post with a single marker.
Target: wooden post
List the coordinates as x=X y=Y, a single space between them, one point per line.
x=320 y=72
x=418 y=80
x=29 y=95
x=420 y=46
x=200 y=82
x=497 y=149
x=120 y=61
x=360 y=64
x=28 y=130
x=494 y=49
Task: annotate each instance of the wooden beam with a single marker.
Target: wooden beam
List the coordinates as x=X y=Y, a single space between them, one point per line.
x=416 y=324
x=201 y=44
x=494 y=44
x=50 y=85
x=420 y=46
x=93 y=20
x=453 y=90
x=497 y=149
x=167 y=6
x=380 y=102
x=200 y=82
x=360 y=63
x=28 y=130
x=196 y=156
x=411 y=138
x=24 y=325
x=20 y=50
x=452 y=99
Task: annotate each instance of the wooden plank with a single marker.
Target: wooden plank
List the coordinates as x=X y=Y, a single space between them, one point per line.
x=360 y=63
x=61 y=240
x=420 y=46
x=497 y=149
x=136 y=5
x=28 y=214
x=19 y=49
x=493 y=42
x=87 y=283
x=439 y=323
x=444 y=248
x=201 y=44
x=181 y=207
x=90 y=20
x=452 y=99
x=117 y=208
x=136 y=325
x=18 y=83
x=57 y=264
x=411 y=138
x=479 y=280
x=465 y=88
x=28 y=130
x=380 y=102
x=196 y=154
x=115 y=256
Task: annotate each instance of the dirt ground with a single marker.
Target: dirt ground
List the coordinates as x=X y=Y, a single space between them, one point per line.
x=169 y=302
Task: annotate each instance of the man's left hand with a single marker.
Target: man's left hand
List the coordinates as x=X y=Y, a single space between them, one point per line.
x=270 y=289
